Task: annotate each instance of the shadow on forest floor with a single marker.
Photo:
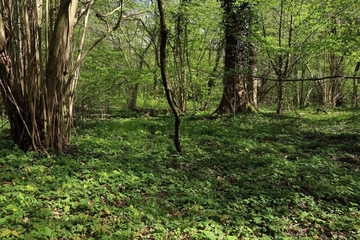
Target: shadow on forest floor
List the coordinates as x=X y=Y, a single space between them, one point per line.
x=247 y=176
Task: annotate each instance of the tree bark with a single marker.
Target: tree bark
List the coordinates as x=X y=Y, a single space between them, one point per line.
x=279 y=68
x=355 y=86
x=212 y=78
x=132 y=94
x=168 y=91
x=56 y=75
x=180 y=56
x=35 y=75
x=237 y=20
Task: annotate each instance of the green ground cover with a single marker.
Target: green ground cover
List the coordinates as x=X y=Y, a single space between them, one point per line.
x=254 y=176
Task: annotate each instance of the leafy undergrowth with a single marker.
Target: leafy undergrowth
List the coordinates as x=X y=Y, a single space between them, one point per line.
x=255 y=176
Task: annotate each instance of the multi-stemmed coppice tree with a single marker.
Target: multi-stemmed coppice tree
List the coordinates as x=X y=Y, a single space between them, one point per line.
x=36 y=70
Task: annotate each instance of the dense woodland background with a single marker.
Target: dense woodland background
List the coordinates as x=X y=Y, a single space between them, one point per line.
x=312 y=45
x=295 y=40
x=266 y=93
x=222 y=57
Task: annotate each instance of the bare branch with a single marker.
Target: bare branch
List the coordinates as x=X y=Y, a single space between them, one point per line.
x=115 y=10
x=107 y=33
x=305 y=79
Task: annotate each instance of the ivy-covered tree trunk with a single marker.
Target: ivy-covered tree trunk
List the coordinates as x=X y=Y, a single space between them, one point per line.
x=237 y=20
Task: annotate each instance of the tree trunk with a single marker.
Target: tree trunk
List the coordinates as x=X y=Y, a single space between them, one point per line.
x=212 y=79
x=237 y=20
x=334 y=87
x=180 y=56
x=56 y=75
x=169 y=93
x=34 y=70
x=279 y=68
x=355 y=86
x=254 y=82
x=280 y=102
x=132 y=95
x=34 y=96
x=336 y=67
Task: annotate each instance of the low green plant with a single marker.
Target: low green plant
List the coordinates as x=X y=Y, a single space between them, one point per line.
x=254 y=176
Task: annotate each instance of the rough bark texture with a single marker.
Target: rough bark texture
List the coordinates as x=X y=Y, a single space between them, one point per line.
x=56 y=74
x=237 y=23
x=34 y=86
x=35 y=79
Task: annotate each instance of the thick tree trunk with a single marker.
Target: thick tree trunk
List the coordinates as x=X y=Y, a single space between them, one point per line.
x=34 y=81
x=56 y=78
x=34 y=96
x=21 y=73
x=237 y=22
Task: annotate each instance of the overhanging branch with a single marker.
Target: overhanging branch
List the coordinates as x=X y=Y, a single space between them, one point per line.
x=87 y=51
x=306 y=79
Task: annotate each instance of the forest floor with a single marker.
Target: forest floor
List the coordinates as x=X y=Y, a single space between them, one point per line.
x=253 y=176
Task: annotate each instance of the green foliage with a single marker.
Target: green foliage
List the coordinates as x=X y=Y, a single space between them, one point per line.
x=255 y=176
x=129 y=56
